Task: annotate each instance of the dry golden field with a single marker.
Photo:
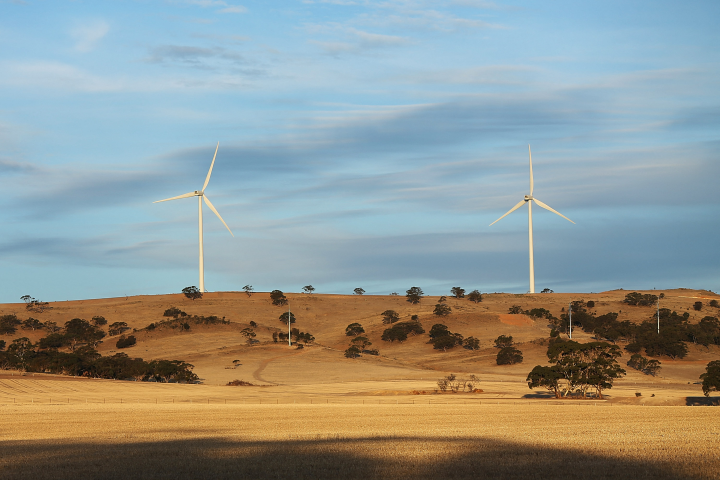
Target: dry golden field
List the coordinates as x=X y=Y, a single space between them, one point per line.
x=316 y=414
x=452 y=440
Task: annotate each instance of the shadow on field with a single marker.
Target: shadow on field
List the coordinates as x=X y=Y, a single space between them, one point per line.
x=702 y=401
x=370 y=458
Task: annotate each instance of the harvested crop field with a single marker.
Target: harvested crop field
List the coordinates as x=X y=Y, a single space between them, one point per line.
x=357 y=441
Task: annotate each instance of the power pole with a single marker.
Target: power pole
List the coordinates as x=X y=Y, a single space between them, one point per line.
x=658 y=314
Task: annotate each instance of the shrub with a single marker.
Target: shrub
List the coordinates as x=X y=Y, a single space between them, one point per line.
x=714 y=303
x=441 y=309
x=253 y=324
x=192 y=293
x=475 y=296
x=504 y=341
x=515 y=310
x=354 y=329
x=698 y=306
x=99 y=321
x=125 y=342
x=117 y=328
x=278 y=297
x=372 y=351
x=414 y=294
x=174 y=312
x=240 y=383
x=509 y=356
x=352 y=352
x=8 y=324
x=390 y=316
x=457 y=292
x=591 y=304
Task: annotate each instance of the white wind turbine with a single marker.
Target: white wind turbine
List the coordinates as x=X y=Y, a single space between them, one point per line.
x=201 y=196
x=529 y=199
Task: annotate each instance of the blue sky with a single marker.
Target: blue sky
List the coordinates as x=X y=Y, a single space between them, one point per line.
x=362 y=144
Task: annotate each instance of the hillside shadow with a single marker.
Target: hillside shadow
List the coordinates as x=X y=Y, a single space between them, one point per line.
x=369 y=458
x=702 y=401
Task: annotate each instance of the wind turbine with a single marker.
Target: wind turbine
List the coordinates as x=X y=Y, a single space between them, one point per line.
x=201 y=196
x=529 y=199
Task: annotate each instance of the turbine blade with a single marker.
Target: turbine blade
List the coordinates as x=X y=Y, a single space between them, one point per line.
x=212 y=207
x=546 y=207
x=531 y=175
x=508 y=213
x=191 y=194
x=207 y=179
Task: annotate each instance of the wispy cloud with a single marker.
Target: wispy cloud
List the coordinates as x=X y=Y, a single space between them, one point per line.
x=223 y=6
x=87 y=35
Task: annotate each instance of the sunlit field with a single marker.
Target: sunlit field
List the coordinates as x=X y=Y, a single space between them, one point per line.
x=453 y=440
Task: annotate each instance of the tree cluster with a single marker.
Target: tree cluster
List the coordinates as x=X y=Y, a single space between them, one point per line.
x=126 y=341
x=508 y=354
x=35 y=305
x=278 y=298
x=183 y=321
x=296 y=335
x=577 y=368
x=443 y=339
x=644 y=365
x=401 y=330
x=640 y=299
x=358 y=346
x=457 y=384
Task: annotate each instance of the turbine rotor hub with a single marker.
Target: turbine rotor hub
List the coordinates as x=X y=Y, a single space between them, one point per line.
x=528 y=198
x=198 y=193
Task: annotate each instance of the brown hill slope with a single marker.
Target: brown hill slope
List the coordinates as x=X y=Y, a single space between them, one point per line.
x=213 y=348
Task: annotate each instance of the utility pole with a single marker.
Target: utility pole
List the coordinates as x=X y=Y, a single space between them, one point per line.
x=570 y=314
x=658 y=314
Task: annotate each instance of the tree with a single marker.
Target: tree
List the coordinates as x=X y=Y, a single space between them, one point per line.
x=80 y=332
x=414 y=294
x=99 y=321
x=361 y=342
x=352 y=352
x=472 y=343
x=591 y=304
x=475 y=296
x=644 y=365
x=284 y=317
x=457 y=292
x=278 y=298
x=439 y=330
x=51 y=327
x=640 y=299
x=34 y=305
x=124 y=342
x=248 y=290
x=515 y=310
x=249 y=334
x=545 y=377
x=174 y=312
x=714 y=303
x=8 y=324
x=401 y=330
x=253 y=324
x=116 y=328
x=546 y=290
x=711 y=378
x=20 y=350
x=192 y=293
x=697 y=306
x=354 y=329
x=441 y=309
x=308 y=289
x=585 y=365
x=504 y=341
x=390 y=316
x=32 y=324
x=358 y=291
x=2 y=345
x=447 y=342
x=509 y=356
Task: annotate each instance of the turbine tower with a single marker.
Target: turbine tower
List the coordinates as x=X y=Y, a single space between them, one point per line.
x=202 y=197
x=529 y=199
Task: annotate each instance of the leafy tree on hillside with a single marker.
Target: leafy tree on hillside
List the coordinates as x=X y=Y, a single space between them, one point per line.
x=361 y=342
x=34 y=305
x=585 y=365
x=414 y=294
x=475 y=296
x=278 y=297
x=546 y=377
x=515 y=310
x=447 y=342
x=471 y=343
x=509 y=356
x=8 y=324
x=249 y=334
x=20 y=351
x=353 y=351
x=308 y=289
x=644 y=365
x=706 y=331
x=714 y=303
x=99 y=321
x=284 y=317
x=79 y=332
x=32 y=324
x=124 y=342
x=504 y=341
x=2 y=345
x=248 y=290
x=591 y=304
x=358 y=291
x=438 y=330
x=193 y=293
x=401 y=330
x=442 y=309
x=354 y=329
x=697 y=306
x=174 y=312
x=116 y=328
x=457 y=292
x=711 y=378
x=390 y=316
x=546 y=290
x=640 y=299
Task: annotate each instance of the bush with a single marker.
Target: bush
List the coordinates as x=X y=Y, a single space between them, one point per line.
x=192 y=293
x=174 y=312
x=591 y=304
x=714 y=303
x=509 y=356
x=352 y=352
x=515 y=310
x=124 y=342
x=504 y=341
x=240 y=383
x=442 y=310
x=354 y=329
x=99 y=321
x=475 y=296
x=457 y=292
x=117 y=328
x=278 y=298
x=697 y=306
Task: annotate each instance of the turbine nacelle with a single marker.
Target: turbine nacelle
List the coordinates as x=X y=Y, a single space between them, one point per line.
x=528 y=198
x=198 y=193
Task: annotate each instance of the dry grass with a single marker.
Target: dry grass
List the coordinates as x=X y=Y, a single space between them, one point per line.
x=356 y=441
